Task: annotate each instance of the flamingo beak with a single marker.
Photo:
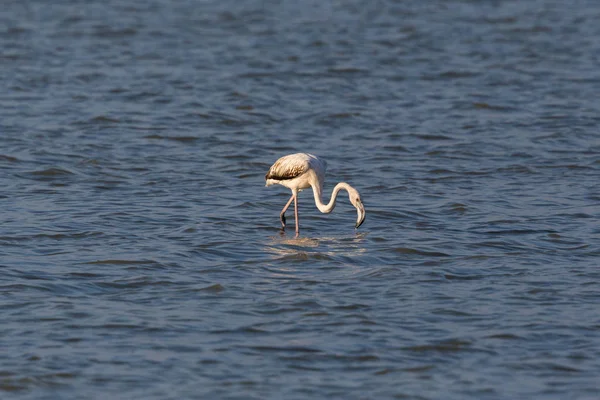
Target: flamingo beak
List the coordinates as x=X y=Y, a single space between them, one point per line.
x=361 y=214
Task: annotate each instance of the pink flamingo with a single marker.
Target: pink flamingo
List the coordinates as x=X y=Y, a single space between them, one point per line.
x=300 y=171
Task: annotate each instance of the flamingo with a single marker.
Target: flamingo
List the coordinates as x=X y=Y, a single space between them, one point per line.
x=300 y=171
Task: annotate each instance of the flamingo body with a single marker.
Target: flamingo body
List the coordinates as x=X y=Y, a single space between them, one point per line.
x=302 y=170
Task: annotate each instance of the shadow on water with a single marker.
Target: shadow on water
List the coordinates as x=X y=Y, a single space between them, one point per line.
x=326 y=257
x=325 y=247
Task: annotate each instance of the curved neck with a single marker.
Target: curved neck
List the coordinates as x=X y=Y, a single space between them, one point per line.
x=317 y=191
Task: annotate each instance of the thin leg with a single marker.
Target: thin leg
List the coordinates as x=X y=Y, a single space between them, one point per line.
x=296 y=212
x=282 y=215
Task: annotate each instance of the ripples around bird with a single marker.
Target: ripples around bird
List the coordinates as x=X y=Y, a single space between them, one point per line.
x=141 y=254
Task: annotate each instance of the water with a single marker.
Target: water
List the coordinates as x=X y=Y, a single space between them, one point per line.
x=140 y=253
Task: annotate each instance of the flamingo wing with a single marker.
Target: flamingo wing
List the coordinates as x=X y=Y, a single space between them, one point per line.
x=289 y=167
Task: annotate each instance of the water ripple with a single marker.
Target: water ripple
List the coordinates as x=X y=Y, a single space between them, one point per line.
x=141 y=253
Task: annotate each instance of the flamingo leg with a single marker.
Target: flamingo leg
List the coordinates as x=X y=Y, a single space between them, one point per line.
x=295 y=197
x=282 y=215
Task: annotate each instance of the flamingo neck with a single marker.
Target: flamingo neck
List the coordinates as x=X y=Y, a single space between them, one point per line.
x=317 y=191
